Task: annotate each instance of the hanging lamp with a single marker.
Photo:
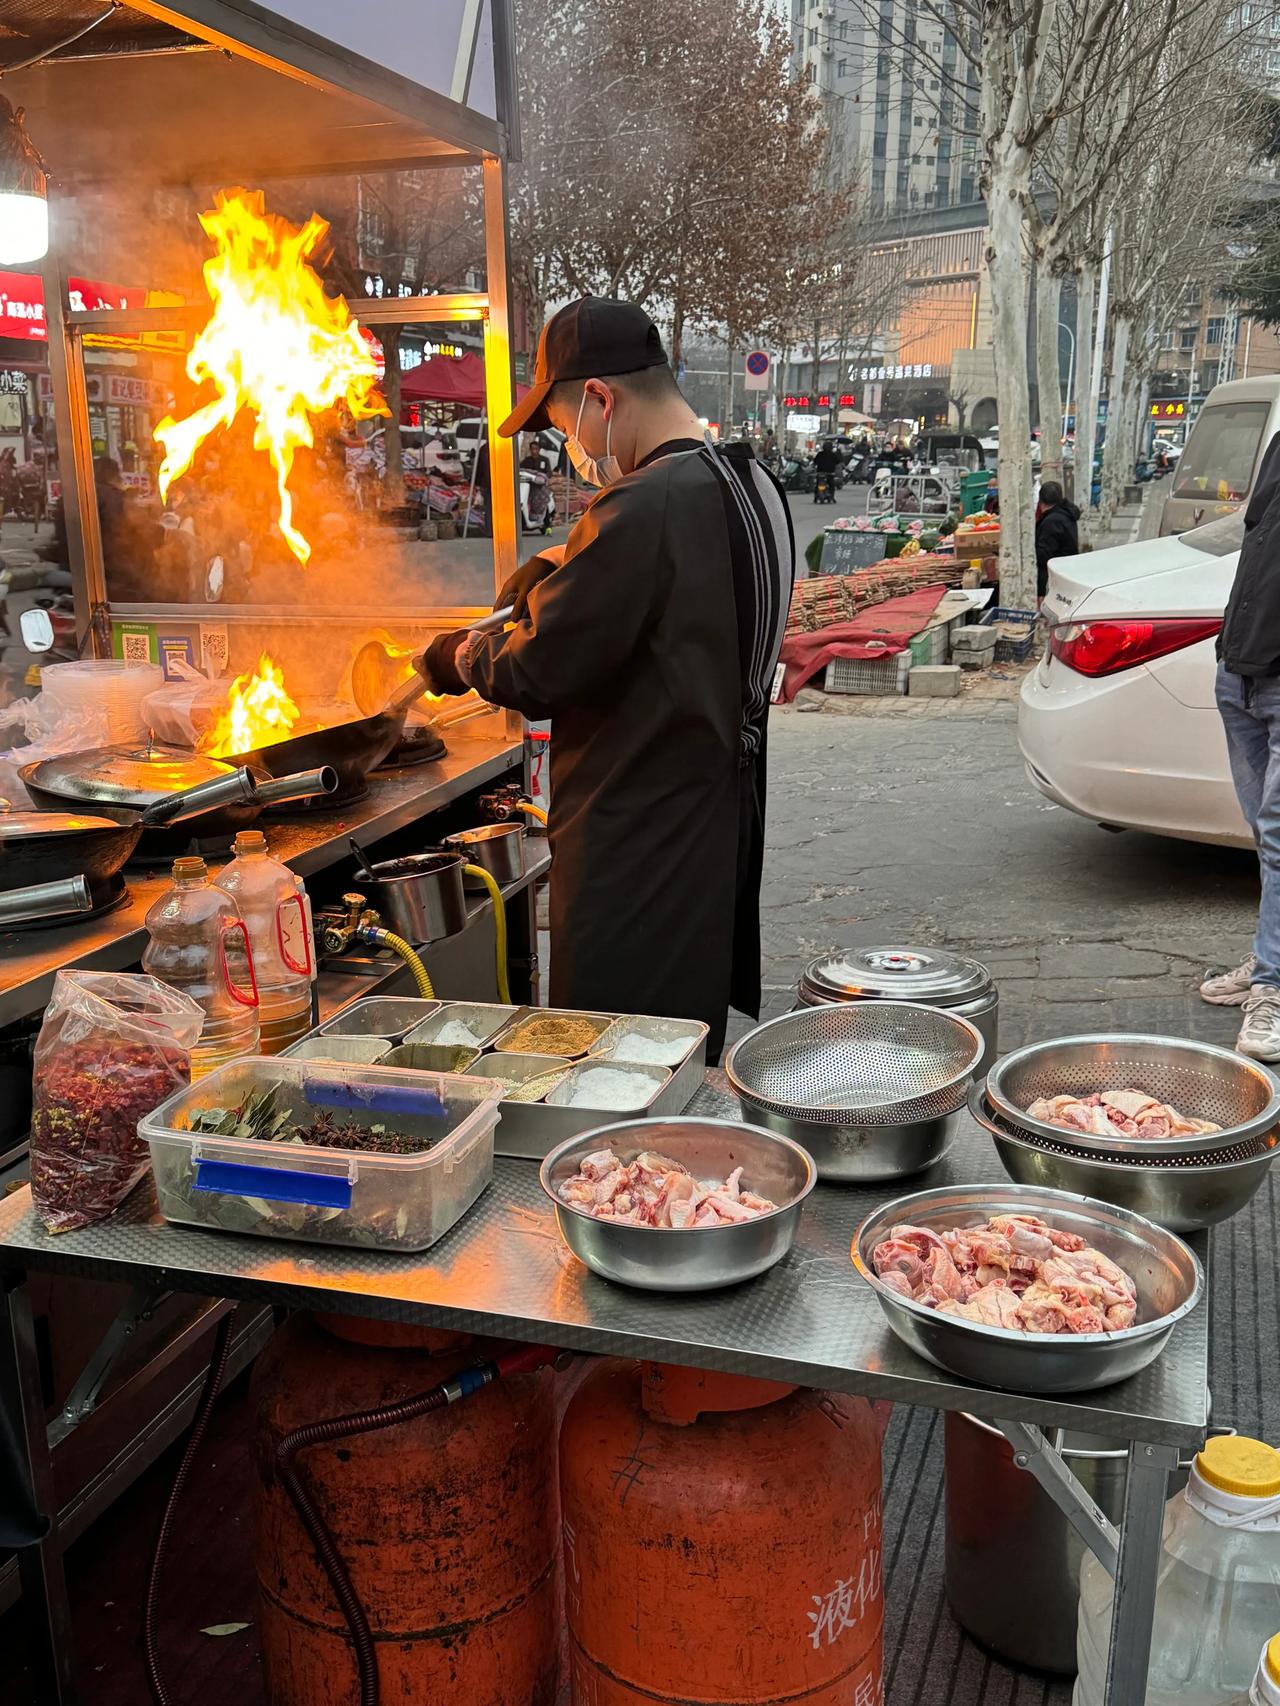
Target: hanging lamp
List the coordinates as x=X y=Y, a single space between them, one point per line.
x=24 y=207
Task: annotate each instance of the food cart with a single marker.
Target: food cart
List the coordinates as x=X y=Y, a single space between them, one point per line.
x=143 y=113
x=274 y=97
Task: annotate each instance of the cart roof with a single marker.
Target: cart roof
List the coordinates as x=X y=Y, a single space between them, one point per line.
x=272 y=97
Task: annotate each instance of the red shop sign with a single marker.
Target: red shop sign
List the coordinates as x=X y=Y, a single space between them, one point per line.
x=22 y=302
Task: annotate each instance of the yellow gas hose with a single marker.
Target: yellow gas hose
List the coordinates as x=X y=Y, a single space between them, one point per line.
x=388 y=939
x=533 y=811
x=499 y=927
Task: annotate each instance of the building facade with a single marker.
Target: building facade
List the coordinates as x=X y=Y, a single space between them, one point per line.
x=899 y=97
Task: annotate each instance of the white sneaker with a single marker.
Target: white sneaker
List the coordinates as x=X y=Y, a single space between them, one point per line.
x=1230 y=988
x=1260 y=1033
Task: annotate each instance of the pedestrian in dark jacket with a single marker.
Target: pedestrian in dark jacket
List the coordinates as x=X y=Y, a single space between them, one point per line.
x=1248 y=694
x=1056 y=532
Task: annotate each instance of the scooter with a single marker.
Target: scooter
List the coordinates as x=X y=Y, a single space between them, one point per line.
x=51 y=618
x=797 y=476
x=824 y=487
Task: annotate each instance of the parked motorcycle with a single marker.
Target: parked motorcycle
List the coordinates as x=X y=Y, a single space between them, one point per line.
x=797 y=476
x=51 y=589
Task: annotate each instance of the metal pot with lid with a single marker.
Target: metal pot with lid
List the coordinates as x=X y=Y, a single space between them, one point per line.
x=930 y=976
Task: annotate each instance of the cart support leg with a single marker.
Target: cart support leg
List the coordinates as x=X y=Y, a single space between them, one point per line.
x=1138 y=1566
x=40 y=1567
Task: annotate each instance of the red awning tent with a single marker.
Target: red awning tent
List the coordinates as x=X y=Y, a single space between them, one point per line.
x=444 y=379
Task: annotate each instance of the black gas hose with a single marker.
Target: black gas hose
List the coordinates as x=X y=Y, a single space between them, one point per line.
x=209 y=1392
x=519 y=1359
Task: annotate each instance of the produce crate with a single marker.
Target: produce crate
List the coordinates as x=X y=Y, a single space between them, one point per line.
x=932 y=644
x=977 y=542
x=873 y=677
x=1010 y=648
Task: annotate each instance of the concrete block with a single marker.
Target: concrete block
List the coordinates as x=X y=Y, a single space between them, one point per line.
x=971 y=661
x=935 y=681
x=973 y=637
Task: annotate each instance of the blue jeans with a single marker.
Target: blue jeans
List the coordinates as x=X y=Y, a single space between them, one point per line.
x=1250 y=710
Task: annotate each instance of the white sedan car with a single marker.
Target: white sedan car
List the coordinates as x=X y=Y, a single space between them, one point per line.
x=1118 y=722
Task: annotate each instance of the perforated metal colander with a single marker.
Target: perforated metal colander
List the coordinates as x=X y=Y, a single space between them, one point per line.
x=1198 y=1079
x=868 y=1063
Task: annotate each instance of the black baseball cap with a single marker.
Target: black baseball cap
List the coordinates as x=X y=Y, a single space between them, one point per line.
x=590 y=339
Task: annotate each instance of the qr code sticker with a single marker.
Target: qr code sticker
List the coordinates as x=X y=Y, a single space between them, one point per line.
x=135 y=648
x=215 y=650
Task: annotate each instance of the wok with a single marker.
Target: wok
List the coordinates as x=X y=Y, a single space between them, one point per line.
x=352 y=749
x=72 y=836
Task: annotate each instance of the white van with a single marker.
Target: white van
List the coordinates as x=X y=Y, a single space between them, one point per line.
x=1216 y=470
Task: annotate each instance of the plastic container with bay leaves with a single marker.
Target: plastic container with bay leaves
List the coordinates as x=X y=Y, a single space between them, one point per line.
x=284 y=1187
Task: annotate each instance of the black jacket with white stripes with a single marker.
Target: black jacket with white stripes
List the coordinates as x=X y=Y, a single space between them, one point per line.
x=652 y=649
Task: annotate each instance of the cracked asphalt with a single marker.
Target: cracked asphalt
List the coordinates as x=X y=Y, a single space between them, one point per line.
x=923 y=830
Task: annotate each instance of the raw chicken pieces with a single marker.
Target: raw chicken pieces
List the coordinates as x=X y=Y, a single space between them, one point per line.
x=1118 y=1113
x=654 y=1190
x=1016 y=1272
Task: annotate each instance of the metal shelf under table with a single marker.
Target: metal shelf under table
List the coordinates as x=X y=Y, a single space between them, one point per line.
x=504 y=1271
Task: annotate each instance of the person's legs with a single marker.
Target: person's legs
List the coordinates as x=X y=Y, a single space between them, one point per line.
x=1249 y=754
x=1251 y=717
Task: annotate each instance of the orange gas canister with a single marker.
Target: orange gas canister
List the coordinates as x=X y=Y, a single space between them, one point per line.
x=721 y=1541
x=446 y=1524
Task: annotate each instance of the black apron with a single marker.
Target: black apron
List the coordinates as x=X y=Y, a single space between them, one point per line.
x=631 y=648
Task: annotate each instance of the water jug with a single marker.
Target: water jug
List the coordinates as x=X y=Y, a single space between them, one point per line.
x=199 y=945
x=275 y=915
x=1218 y=1595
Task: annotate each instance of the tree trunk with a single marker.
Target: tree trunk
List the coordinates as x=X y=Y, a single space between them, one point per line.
x=1116 y=452
x=677 y=333
x=815 y=384
x=1048 y=307
x=726 y=413
x=1084 y=403
x=393 y=478
x=1009 y=338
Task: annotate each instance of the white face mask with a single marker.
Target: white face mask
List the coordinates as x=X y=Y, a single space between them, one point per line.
x=596 y=472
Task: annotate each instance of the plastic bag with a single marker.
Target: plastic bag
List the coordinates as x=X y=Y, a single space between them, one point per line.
x=112 y=1046
x=182 y=712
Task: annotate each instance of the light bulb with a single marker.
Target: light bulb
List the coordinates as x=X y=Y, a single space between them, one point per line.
x=24 y=227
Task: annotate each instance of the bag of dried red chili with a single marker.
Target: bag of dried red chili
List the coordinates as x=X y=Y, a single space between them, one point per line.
x=112 y=1046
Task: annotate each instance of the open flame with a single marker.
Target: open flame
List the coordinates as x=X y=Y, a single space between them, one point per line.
x=274 y=344
x=259 y=713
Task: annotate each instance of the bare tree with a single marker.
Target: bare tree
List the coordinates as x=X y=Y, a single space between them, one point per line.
x=664 y=145
x=1057 y=83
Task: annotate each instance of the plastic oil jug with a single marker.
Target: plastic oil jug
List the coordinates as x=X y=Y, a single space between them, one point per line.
x=199 y=945
x=1218 y=1594
x=276 y=916
x=1266 y=1679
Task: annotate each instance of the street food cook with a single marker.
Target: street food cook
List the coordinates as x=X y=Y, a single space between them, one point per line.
x=651 y=646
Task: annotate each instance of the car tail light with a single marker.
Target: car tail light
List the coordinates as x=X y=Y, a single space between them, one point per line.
x=1106 y=648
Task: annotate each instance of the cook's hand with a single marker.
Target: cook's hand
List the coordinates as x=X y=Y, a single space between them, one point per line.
x=438 y=665
x=518 y=586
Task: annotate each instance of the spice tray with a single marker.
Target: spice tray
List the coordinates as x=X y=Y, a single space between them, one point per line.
x=326 y=1192
x=528 y=1130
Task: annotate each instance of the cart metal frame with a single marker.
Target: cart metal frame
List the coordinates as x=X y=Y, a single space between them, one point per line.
x=381 y=120
x=504 y=1271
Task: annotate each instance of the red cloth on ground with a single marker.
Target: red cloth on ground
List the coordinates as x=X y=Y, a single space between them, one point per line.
x=875 y=633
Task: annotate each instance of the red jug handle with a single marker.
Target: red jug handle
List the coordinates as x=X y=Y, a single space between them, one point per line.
x=285 y=955
x=233 y=988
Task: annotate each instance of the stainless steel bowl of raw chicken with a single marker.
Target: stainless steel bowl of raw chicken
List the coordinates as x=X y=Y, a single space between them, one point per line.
x=678 y=1204
x=1024 y=1289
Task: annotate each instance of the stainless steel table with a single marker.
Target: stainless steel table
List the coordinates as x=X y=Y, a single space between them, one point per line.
x=504 y=1271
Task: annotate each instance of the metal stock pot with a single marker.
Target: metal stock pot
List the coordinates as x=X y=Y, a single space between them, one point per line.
x=927 y=976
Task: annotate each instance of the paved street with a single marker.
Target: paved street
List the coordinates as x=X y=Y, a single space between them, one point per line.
x=891 y=827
